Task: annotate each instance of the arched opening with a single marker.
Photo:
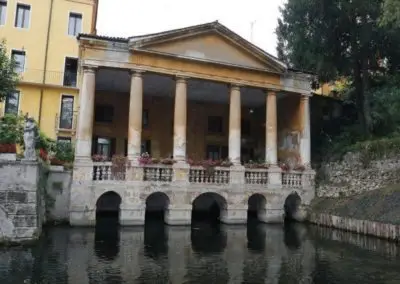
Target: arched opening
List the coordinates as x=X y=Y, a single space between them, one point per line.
x=156 y=205
x=256 y=208
x=291 y=207
x=108 y=207
x=107 y=233
x=208 y=207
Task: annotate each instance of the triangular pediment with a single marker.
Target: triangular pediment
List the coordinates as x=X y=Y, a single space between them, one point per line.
x=209 y=43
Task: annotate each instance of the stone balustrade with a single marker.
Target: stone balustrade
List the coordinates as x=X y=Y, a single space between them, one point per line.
x=103 y=171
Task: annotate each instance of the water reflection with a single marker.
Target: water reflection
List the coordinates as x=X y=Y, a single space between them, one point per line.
x=204 y=253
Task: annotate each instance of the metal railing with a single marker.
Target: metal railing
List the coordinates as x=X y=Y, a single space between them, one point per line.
x=67 y=79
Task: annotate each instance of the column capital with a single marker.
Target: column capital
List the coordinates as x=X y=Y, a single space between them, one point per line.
x=235 y=87
x=181 y=78
x=89 y=68
x=136 y=72
x=305 y=96
x=271 y=92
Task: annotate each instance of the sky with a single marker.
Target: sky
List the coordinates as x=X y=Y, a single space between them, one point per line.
x=125 y=18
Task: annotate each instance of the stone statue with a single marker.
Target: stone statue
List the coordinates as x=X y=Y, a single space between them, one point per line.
x=30 y=135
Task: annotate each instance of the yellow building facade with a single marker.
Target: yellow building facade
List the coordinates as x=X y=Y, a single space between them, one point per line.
x=41 y=37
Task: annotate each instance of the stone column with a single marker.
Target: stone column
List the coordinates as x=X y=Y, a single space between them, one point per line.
x=305 y=140
x=234 y=125
x=180 y=117
x=135 y=116
x=83 y=149
x=271 y=139
x=271 y=149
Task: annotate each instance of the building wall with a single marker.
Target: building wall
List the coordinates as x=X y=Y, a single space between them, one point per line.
x=161 y=117
x=33 y=41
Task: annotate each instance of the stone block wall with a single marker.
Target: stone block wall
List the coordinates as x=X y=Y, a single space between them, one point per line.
x=57 y=196
x=354 y=174
x=21 y=203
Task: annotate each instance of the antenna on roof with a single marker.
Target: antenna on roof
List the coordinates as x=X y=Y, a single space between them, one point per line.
x=251 y=30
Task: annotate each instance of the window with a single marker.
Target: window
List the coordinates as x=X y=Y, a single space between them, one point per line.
x=70 y=72
x=104 y=113
x=75 y=24
x=215 y=152
x=66 y=112
x=104 y=146
x=12 y=103
x=22 y=16
x=145 y=119
x=3 y=12
x=245 y=127
x=64 y=139
x=215 y=124
x=19 y=59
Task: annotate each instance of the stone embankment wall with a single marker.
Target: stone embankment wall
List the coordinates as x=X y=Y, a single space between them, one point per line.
x=354 y=194
x=365 y=227
x=21 y=201
x=58 y=195
x=356 y=174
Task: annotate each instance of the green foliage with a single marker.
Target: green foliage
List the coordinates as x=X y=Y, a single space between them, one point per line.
x=337 y=39
x=8 y=77
x=45 y=142
x=391 y=13
x=12 y=129
x=64 y=151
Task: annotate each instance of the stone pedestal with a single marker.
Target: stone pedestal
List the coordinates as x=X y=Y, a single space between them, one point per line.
x=236 y=175
x=234 y=215
x=275 y=176
x=134 y=173
x=132 y=216
x=179 y=215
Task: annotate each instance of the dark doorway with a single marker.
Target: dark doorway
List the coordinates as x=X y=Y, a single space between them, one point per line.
x=156 y=206
x=256 y=208
x=108 y=207
x=291 y=207
x=208 y=207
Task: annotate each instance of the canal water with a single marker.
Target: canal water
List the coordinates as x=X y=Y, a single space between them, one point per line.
x=205 y=253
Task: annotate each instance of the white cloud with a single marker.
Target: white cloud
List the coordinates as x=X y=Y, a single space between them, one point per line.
x=128 y=17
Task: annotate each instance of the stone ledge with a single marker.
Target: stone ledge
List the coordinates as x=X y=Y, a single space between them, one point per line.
x=365 y=227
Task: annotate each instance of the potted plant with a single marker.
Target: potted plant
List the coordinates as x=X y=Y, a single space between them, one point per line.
x=299 y=167
x=99 y=158
x=167 y=161
x=145 y=159
x=284 y=167
x=11 y=134
x=256 y=165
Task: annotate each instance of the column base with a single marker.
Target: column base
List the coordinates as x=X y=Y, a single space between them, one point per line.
x=234 y=216
x=179 y=216
x=134 y=216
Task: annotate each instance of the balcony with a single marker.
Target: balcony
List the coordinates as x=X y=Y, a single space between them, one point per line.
x=55 y=78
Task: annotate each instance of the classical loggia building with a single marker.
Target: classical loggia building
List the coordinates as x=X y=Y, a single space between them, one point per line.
x=191 y=94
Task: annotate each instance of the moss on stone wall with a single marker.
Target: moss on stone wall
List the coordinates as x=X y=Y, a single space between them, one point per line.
x=381 y=205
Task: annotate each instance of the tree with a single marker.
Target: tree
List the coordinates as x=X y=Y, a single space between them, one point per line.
x=336 y=39
x=8 y=76
x=391 y=13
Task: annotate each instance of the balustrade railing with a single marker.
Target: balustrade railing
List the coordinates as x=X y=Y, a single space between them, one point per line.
x=212 y=175
x=161 y=173
x=104 y=171
x=256 y=176
x=292 y=179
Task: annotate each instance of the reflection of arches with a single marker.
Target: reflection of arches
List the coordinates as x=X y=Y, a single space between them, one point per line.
x=155 y=240
x=156 y=205
x=256 y=237
x=256 y=207
x=210 y=206
x=208 y=238
x=292 y=205
x=106 y=238
x=291 y=236
x=108 y=205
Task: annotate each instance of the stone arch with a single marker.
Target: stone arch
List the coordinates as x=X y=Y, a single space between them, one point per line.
x=108 y=204
x=256 y=207
x=157 y=204
x=292 y=207
x=209 y=205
